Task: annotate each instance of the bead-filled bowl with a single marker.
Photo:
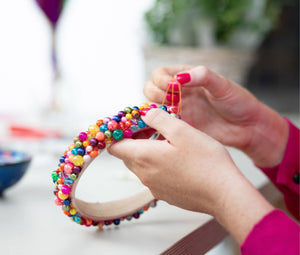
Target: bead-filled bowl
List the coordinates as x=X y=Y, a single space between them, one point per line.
x=13 y=165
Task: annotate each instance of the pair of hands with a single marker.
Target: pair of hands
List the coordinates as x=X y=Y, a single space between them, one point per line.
x=191 y=168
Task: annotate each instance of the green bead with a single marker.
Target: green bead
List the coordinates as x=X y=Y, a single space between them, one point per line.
x=118 y=134
x=73 y=177
x=108 y=133
x=78 y=144
x=128 y=218
x=174 y=115
x=127 y=110
x=55 y=176
x=66 y=208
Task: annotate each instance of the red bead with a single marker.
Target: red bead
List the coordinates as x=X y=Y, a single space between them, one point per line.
x=173 y=109
x=144 y=111
x=101 y=145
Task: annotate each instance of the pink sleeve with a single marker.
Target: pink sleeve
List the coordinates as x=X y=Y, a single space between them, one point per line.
x=274 y=234
x=285 y=176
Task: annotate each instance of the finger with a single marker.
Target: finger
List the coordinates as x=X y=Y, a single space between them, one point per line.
x=171 y=128
x=161 y=76
x=153 y=93
x=217 y=85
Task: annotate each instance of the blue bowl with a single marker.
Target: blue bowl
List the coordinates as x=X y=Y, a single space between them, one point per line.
x=13 y=165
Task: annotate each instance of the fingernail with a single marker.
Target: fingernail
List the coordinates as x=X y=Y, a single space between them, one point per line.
x=175 y=98
x=183 y=78
x=173 y=85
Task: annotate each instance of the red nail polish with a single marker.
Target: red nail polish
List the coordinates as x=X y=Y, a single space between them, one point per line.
x=175 y=98
x=173 y=86
x=183 y=78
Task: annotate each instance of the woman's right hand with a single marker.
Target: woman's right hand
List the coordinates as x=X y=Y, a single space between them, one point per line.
x=225 y=111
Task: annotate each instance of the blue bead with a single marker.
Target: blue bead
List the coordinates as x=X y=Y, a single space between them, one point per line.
x=134 y=128
x=62 y=159
x=67 y=202
x=67 y=181
x=103 y=128
x=141 y=124
x=76 y=218
x=80 y=151
x=163 y=107
x=117 y=222
x=74 y=151
x=141 y=211
x=135 y=108
x=107 y=223
x=116 y=118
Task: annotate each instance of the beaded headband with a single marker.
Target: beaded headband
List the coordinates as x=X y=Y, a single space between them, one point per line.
x=85 y=148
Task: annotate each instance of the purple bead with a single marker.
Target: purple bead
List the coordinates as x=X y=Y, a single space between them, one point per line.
x=82 y=136
x=136 y=215
x=93 y=142
x=76 y=169
x=121 y=114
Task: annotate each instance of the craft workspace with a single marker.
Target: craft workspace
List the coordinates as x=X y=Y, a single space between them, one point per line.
x=149 y=127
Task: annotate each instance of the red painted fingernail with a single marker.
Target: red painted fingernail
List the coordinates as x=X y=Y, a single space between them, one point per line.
x=175 y=98
x=183 y=77
x=173 y=86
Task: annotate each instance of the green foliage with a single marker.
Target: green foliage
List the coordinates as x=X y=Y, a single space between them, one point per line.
x=226 y=15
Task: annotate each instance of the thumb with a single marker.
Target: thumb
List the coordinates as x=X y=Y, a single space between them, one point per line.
x=167 y=125
x=201 y=76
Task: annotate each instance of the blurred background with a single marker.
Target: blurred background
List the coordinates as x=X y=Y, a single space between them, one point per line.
x=66 y=63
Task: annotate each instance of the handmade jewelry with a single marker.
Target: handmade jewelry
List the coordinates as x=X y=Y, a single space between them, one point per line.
x=86 y=147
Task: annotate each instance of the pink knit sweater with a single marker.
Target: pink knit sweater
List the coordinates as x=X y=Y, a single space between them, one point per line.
x=276 y=233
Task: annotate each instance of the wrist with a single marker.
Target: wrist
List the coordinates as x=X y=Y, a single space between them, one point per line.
x=242 y=207
x=269 y=139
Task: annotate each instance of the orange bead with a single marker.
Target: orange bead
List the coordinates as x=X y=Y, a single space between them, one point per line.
x=146 y=208
x=128 y=124
x=94 y=154
x=60 y=181
x=100 y=136
x=61 y=167
x=67 y=213
x=71 y=146
x=89 y=222
x=99 y=123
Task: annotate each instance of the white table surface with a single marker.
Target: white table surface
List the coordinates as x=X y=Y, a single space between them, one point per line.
x=30 y=222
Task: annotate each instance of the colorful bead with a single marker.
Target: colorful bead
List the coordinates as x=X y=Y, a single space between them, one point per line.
x=135 y=114
x=127 y=133
x=112 y=125
x=103 y=128
x=93 y=142
x=127 y=109
x=66 y=190
x=80 y=151
x=78 y=160
x=93 y=129
x=118 y=134
x=77 y=169
x=143 y=105
x=76 y=218
x=66 y=208
x=82 y=136
x=100 y=136
x=128 y=116
x=108 y=134
x=87 y=158
x=94 y=154
x=67 y=202
x=62 y=196
x=73 y=177
x=142 y=124
x=73 y=211
x=67 y=181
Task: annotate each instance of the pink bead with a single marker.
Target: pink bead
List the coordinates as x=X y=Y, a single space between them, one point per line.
x=66 y=190
x=123 y=119
x=112 y=125
x=82 y=136
x=127 y=133
x=152 y=106
x=57 y=201
x=68 y=168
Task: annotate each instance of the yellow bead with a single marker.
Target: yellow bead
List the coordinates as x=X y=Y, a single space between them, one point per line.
x=144 y=105
x=94 y=129
x=71 y=146
x=85 y=143
x=78 y=160
x=73 y=211
x=62 y=196
x=128 y=116
x=71 y=157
